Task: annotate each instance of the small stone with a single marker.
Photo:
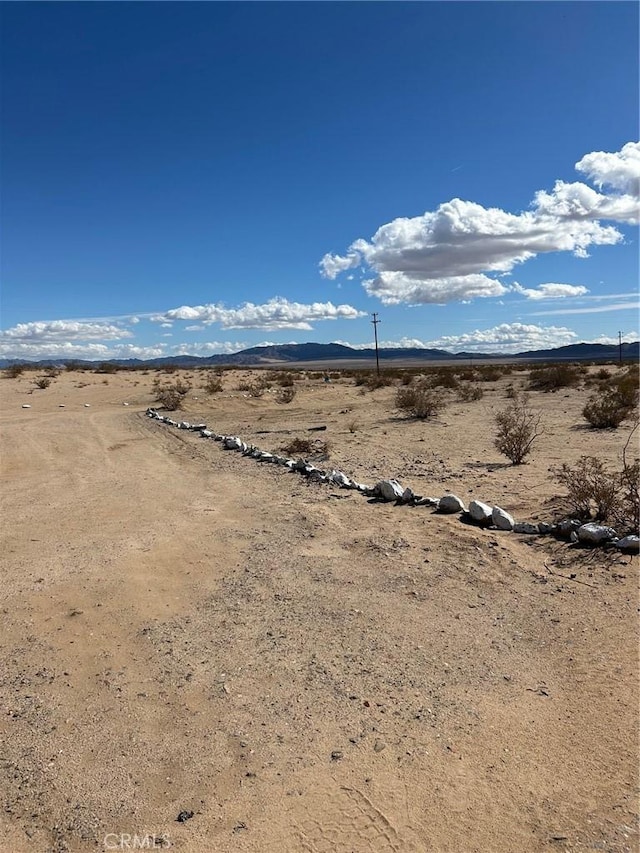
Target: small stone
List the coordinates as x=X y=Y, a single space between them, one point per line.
x=544 y=527
x=86 y=405
x=525 y=527
x=336 y=755
x=565 y=528
x=26 y=406
x=184 y=816
x=379 y=745
x=629 y=544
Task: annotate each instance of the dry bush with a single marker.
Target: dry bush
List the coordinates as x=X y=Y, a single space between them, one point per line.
x=590 y=486
x=353 y=426
x=375 y=381
x=492 y=372
x=607 y=409
x=510 y=392
x=284 y=378
x=595 y=491
x=212 y=384
x=419 y=400
x=469 y=391
x=518 y=427
x=307 y=447
x=13 y=371
x=53 y=372
x=107 y=367
x=42 y=382
x=171 y=396
x=442 y=377
x=551 y=377
x=285 y=395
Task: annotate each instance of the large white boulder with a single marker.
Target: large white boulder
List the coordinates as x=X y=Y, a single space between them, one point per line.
x=450 y=503
x=595 y=534
x=502 y=519
x=480 y=512
x=389 y=490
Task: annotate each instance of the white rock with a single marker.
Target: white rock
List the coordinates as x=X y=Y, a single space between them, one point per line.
x=26 y=406
x=206 y=433
x=339 y=477
x=595 y=534
x=232 y=442
x=389 y=490
x=631 y=544
x=480 y=511
x=502 y=519
x=87 y=405
x=125 y=404
x=450 y=503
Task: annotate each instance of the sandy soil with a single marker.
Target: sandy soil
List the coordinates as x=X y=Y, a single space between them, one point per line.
x=186 y=630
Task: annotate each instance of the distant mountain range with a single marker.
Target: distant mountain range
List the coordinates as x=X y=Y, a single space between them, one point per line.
x=289 y=354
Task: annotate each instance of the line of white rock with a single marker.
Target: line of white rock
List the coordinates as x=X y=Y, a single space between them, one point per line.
x=391 y=490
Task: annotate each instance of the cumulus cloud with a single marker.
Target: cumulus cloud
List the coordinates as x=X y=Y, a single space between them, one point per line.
x=551 y=291
x=215 y=347
x=277 y=313
x=63 y=330
x=449 y=254
x=35 y=350
x=507 y=338
x=620 y=169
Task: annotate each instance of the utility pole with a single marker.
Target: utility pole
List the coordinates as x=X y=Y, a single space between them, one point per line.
x=620 y=347
x=375 y=322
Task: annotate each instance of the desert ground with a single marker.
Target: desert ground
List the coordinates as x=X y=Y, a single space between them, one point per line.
x=289 y=666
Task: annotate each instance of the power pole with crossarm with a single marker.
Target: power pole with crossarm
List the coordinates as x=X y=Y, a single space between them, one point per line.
x=375 y=322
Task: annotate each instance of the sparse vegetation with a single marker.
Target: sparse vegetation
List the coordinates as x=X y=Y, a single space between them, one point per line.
x=353 y=426
x=597 y=492
x=419 y=400
x=285 y=395
x=608 y=408
x=13 y=371
x=551 y=377
x=469 y=391
x=306 y=447
x=171 y=396
x=42 y=382
x=212 y=384
x=107 y=367
x=518 y=427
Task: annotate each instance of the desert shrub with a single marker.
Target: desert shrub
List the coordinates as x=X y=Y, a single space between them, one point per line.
x=285 y=395
x=596 y=491
x=510 y=392
x=407 y=378
x=53 y=372
x=383 y=380
x=307 y=447
x=607 y=409
x=603 y=373
x=554 y=376
x=442 y=377
x=42 y=382
x=106 y=367
x=469 y=391
x=212 y=384
x=13 y=371
x=518 y=427
x=283 y=378
x=419 y=400
x=169 y=398
x=590 y=486
x=353 y=426
x=492 y=372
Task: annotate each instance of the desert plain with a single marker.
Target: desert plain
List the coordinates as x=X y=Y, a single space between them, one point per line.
x=206 y=653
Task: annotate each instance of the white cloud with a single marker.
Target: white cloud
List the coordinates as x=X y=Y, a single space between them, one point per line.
x=63 y=330
x=215 y=347
x=507 y=338
x=195 y=328
x=551 y=291
x=596 y=309
x=446 y=254
x=166 y=325
x=33 y=351
x=277 y=313
x=620 y=169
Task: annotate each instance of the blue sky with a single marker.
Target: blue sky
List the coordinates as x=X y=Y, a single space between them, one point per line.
x=203 y=177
